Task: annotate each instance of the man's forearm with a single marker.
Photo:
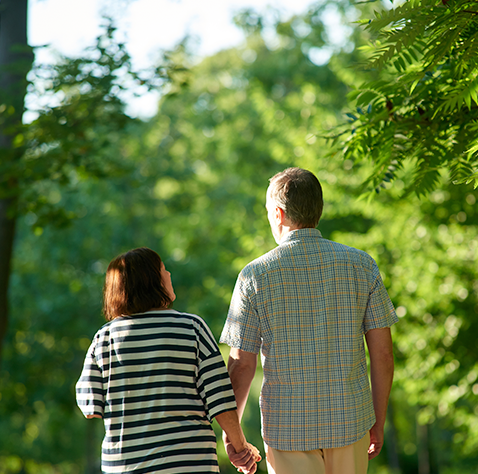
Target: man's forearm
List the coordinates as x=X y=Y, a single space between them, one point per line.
x=381 y=370
x=379 y=342
x=229 y=422
x=242 y=368
x=381 y=374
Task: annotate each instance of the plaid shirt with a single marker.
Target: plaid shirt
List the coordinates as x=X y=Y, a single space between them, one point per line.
x=306 y=305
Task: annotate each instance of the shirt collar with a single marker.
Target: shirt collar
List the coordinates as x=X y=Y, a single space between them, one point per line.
x=300 y=234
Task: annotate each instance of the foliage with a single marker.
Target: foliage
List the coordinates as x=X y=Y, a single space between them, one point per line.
x=79 y=109
x=192 y=186
x=417 y=114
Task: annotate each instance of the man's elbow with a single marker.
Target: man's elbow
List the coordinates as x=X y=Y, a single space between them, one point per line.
x=383 y=364
x=388 y=361
x=241 y=367
x=380 y=347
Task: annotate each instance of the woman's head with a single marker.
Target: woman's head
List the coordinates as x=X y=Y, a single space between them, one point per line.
x=136 y=281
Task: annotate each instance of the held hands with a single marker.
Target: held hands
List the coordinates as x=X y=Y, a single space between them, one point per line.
x=245 y=460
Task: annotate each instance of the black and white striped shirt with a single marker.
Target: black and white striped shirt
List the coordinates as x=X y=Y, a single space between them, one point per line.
x=157 y=379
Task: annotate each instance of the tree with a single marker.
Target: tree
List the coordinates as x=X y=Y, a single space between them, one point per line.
x=73 y=145
x=15 y=62
x=74 y=136
x=219 y=141
x=426 y=250
x=416 y=116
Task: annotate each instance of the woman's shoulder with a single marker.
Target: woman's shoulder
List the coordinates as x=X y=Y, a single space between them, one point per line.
x=194 y=319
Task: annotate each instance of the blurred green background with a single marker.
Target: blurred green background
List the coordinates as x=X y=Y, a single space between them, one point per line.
x=190 y=183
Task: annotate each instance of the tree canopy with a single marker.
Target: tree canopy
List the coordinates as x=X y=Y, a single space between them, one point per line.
x=416 y=115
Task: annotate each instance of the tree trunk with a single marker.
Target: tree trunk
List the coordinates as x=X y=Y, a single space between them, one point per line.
x=15 y=61
x=423 y=449
x=7 y=232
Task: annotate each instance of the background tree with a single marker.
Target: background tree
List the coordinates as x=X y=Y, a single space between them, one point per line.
x=15 y=62
x=191 y=191
x=80 y=116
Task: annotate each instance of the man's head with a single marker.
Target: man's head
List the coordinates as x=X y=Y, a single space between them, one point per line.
x=299 y=194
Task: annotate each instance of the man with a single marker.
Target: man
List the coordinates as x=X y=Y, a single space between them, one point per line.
x=307 y=305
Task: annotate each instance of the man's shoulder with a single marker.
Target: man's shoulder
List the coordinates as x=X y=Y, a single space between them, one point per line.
x=352 y=255
x=262 y=263
x=325 y=247
x=337 y=246
x=329 y=250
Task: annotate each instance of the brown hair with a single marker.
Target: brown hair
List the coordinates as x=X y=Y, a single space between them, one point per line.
x=133 y=284
x=299 y=194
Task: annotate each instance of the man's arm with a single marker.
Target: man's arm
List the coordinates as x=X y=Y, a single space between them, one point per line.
x=242 y=368
x=229 y=422
x=379 y=343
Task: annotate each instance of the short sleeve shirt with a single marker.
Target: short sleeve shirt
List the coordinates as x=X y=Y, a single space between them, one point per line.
x=306 y=306
x=157 y=379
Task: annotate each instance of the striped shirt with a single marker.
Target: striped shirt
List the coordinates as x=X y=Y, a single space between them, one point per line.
x=157 y=379
x=306 y=305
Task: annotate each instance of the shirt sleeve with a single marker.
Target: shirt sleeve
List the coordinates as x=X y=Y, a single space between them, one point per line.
x=242 y=327
x=214 y=384
x=89 y=388
x=380 y=312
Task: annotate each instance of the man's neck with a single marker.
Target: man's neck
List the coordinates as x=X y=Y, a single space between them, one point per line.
x=285 y=228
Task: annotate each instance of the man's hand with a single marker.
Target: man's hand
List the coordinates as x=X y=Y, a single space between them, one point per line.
x=245 y=461
x=376 y=441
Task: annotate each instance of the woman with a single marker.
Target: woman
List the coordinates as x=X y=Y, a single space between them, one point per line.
x=157 y=379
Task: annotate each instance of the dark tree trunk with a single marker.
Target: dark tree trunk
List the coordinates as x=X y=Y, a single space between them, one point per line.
x=423 y=449
x=15 y=61
x=7 y=232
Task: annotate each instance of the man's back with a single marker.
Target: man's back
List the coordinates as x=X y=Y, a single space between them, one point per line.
x=308 y=304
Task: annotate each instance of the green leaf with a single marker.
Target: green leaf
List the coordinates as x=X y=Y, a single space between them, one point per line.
x=414 y=85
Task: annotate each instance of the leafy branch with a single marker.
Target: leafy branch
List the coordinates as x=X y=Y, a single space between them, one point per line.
x=423 y=109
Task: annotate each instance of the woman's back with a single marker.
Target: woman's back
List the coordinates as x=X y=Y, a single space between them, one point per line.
x=157 y=379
